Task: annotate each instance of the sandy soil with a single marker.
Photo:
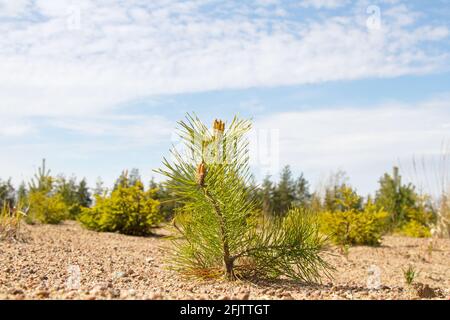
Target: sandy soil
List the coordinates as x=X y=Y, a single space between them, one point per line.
x=113 y=266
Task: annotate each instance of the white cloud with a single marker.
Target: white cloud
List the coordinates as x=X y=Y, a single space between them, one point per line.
x=15 y=128
x=14 y=8
x=328 y=4
x=133 y=131
x=366 y=142
x=127 y=50
x=78 y=77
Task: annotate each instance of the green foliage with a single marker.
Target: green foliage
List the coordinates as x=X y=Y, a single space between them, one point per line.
x=99 y=189
x=289 y=247
x=7 y=194
x=342 y=198
x=22 y=193
x=83 y=196
x=68 y=190
x=410 y=274
x=409 y=213
x=75 y=196
x=129 y=210
x=277 y=198
x=284 y=194
x=415 y=229
x=46 y=208
x=45 y=205
x=51 y=199
x=350 y=226
x=302 y=198
x=167 y=199
x=216 y=230
x=42 y=181
x=265 y=194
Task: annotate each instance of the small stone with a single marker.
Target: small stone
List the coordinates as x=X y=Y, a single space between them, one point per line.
x=16 y=291
x=70 y=295
x=155 y=296
x=43 y=294
x=119 y=274
x=114 y=293
x=287 y=296
x=98 y=290
x=244 y=296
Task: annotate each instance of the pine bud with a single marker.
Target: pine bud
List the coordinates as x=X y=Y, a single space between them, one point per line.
x=201 y=173
x=219 y=126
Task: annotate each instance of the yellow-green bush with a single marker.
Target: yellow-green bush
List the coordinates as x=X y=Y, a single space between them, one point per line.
x=129 y=210
x=417 y=221
x=45 y=208
x=415 y=229
x=350 y=226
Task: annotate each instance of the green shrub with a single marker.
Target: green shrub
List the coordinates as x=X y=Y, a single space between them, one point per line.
x=417 y=221
x=75 y=195
x=129 y=210
x=410 y=213
x=415 y=229
x=45 y=208
x=351 y=226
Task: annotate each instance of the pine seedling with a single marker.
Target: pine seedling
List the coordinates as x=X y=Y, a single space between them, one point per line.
x=217 y=230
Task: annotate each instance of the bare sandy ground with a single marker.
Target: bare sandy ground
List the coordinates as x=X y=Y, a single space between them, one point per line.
x=69 y=262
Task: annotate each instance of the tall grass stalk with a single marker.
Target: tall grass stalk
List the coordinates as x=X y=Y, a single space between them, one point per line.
x=10 y=223
x=432 y=175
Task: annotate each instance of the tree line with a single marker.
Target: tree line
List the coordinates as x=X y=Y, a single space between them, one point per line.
x=407 y=210
x=51 y=199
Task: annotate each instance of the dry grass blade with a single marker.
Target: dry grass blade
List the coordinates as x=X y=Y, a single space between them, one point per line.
x=10 y=224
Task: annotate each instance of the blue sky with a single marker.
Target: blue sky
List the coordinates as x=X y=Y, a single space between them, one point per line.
x=97 y=86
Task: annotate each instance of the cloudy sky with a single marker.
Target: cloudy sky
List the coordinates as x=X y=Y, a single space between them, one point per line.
x=97 y=86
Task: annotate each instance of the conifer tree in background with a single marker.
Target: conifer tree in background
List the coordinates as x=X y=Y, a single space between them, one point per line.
x=284 y=194
x=395 y=197
x=122 y=180
x=42 y=181
x=167 y=199
x=99 y=189
x=277 y=198
x=335 y=193
x=75 y=195
x=302 y=196
x=67 y=189
x=45 y=204
x=84 y=198
x=7 y=194
x=216 y=229
x=22 y=193
x=266 y=196
x=408 y=211
x=134 y=177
